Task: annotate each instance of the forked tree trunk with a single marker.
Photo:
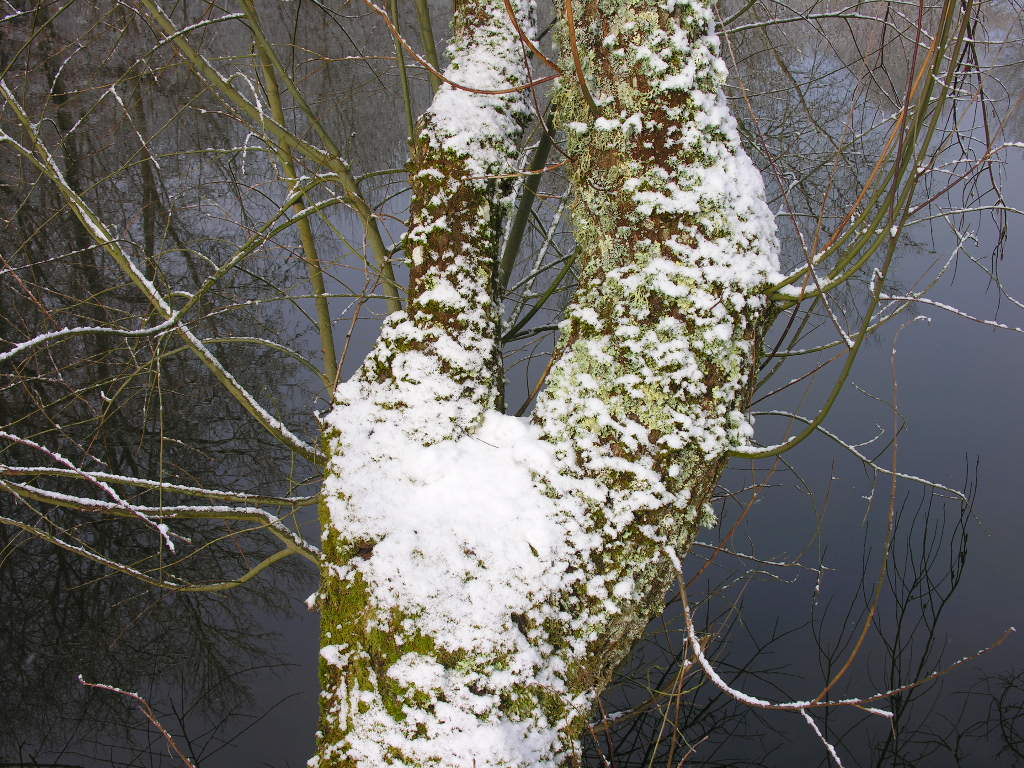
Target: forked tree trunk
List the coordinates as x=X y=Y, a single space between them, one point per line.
x=485 y=575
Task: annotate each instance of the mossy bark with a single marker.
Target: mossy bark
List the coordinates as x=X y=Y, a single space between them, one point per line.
x=654 y=367
x=433 y=374
x=646 y=395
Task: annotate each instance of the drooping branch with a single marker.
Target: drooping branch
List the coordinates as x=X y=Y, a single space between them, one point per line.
x=886 y=199
x=261 y=518
x=270 y=67
x=329 y=156
x=41 y=157
x=170 y=583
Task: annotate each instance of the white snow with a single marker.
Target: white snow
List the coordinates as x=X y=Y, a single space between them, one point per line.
x=481 y=127
x=466 y=512
x=475 y=528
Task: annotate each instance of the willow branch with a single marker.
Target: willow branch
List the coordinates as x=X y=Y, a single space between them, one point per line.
x=173 y=585
x=268 y=58
x=102 y=236
x=328 y=158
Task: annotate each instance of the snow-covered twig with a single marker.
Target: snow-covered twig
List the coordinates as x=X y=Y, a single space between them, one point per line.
x=951 y=309
x=45 y=162
x=846 y=13
x=868 y=462
x=65 y=333
x=119 y=503
x=158 y=485
x=148 y=712
x=814 y=727
x=170 y=512
x=758 y=560
x=800 y=706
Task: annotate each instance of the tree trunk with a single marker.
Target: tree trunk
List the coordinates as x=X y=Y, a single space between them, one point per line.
x=389 y=591
x=484 y=575
x=653 y=369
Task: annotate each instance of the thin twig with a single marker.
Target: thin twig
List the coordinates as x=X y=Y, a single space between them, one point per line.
x=148 y=712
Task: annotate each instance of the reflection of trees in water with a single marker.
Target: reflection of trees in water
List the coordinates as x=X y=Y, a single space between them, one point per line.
x=64 y=616
x=662 y=711
x=140 y=407
x=1006 y=711
x=123 y=405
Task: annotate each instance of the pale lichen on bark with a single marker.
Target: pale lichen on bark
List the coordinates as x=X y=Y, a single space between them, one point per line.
x=652 y=372
x=676 y=246
x=484 y=575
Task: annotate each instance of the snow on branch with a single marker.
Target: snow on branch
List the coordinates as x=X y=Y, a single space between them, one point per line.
x=118 y=503
x=952 y=310
x=65 y=333
x=159 y=485
x=169 y=583
x=147 y=710
x=802 y=706
x=152 y=514
x=864 y=459
x=98 y=231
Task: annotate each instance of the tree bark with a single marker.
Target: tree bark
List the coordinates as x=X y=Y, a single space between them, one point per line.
x=653 y=371
x=431 y=378
x=484 y=576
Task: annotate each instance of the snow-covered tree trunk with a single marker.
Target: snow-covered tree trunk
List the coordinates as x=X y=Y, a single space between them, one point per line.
x=394 y=642
x=485 y=574
x=675 y=248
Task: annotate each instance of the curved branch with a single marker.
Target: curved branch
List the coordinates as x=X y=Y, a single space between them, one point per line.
x=867 y=227
x=800 y=706
x=853 y=449
x=175 y=585
x=526 y=38
x=101 y=235
x=169 y=512
x=440 y=75
x=331 y=158
x=156 y=485
x=570 y=22
x=66 y=333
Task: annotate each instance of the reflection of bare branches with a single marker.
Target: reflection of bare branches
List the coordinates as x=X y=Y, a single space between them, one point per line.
x=817 y=703
x=929 y=552
x=1007 y=708
x=148 y=712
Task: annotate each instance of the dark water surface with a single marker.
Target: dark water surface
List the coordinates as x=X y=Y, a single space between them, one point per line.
x=961 y=396
x=960 y=388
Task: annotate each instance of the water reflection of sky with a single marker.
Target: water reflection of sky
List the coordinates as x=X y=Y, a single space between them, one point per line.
x=960 y=390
